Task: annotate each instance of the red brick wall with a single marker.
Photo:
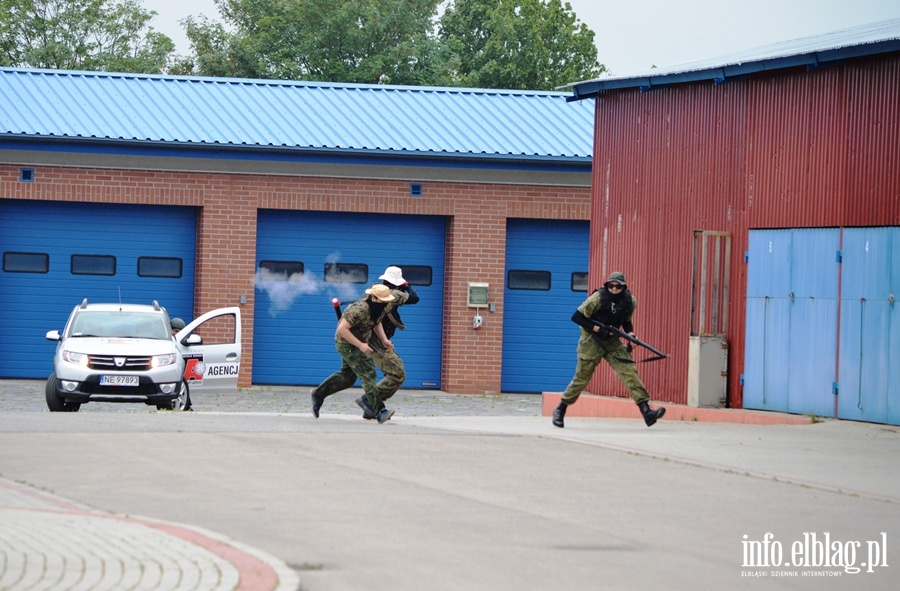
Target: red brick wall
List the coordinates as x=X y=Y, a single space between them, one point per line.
x=226 y=256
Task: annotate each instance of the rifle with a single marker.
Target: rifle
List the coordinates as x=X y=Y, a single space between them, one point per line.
x=630 y=339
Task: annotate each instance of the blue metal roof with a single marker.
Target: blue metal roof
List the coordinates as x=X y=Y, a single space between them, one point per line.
x=810 y=52
x=294 y=116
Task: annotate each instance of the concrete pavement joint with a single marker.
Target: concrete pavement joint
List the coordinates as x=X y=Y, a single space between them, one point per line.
x=560 y=434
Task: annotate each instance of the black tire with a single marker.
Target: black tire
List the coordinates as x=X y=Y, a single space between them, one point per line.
x=54 y=402
x=183 y=402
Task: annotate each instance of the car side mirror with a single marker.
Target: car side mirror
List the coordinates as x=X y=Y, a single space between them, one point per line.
x=52 y=335
x=193 y=339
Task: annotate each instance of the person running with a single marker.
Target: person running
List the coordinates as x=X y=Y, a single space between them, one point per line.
x=613 y=306
x=387 y=360
x=351 y=339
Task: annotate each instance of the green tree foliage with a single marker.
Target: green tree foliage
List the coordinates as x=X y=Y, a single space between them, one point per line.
x=370 y=41
x=519 y=44
x=99 y=35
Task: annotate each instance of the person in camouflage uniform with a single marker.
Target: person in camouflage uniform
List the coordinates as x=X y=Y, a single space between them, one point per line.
x=351 y=339
x=387 y=360
x=613 y=305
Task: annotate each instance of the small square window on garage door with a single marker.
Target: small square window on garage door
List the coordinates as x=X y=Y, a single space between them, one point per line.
x=533 y=280
x=417 y=274
x=26 y=262
x=579 y=281
x=93 y=264
x=346 y=273
x=279 y=270
x=159 y=267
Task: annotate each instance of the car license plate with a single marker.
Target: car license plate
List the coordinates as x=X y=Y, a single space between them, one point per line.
x=119 y=380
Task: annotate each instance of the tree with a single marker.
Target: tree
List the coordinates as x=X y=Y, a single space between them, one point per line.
x=371 y=41
x=519 y=44
x=81 y=35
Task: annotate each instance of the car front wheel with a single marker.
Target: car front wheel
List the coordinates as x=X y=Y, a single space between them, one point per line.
x=56 y=403
x=182 y=402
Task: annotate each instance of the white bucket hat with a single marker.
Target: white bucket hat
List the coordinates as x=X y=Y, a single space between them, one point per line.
x=393 y=275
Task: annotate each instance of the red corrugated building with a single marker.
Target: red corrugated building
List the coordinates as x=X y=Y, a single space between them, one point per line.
x=689 y=161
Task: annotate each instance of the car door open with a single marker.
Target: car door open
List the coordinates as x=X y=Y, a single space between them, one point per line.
x=211 y=347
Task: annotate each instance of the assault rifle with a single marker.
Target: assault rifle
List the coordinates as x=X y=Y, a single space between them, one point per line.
x=605 y=330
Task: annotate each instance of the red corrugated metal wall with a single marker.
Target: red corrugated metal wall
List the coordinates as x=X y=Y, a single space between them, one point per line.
x=776 y=150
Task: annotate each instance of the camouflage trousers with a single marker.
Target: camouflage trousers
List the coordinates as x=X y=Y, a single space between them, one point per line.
x=391 y=366
x=590 y=353
x=387 y=361
x=354 y=364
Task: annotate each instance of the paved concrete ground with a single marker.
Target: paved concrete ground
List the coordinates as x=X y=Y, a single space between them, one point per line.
x=453 y=493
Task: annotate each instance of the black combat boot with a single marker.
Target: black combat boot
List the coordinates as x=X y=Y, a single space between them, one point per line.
x=651 y=416
x=559 y=413
x=316 y=402
x=363 y=403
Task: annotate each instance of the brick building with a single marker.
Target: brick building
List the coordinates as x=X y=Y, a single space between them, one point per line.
x=277 y=196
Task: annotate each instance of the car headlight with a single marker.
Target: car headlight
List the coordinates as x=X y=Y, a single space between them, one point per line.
x=163 y=360
x=74 y=357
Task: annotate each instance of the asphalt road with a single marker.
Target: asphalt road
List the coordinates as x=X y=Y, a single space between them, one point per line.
x=471 y=493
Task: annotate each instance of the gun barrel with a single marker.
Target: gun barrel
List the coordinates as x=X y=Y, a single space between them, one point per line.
x=629 y=338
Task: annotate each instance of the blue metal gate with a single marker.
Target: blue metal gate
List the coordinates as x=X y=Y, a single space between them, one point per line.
x=293 y=341
x=55 y=254
x=869 y=384
x=539 y=338
x=792 y=280
x=795 y=325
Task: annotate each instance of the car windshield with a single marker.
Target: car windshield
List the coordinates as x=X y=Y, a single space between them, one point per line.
x=120 y=324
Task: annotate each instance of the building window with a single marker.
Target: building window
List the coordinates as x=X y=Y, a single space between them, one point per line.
x=346 y=273
x=93 y=264
x=26 y=262
x=280 y=270
x=579 y=281
x=160 y=267
x=417 y=274
x=532 y=280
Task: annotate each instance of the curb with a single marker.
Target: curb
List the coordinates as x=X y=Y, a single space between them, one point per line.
x=50 y=540
x=591 y=405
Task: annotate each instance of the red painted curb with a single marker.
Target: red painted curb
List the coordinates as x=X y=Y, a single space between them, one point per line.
x=590 y=405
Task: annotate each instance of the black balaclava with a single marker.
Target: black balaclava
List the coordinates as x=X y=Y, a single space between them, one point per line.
x=615 y=297
x=376 y=308
x=620 y=277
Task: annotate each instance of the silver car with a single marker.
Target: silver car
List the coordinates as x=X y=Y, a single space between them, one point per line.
x=127 y=353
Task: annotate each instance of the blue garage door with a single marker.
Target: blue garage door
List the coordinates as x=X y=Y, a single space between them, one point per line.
x=546 y=280
x=304 y=259
x=56 y=254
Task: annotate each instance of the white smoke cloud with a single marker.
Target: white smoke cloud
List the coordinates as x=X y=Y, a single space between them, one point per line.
x=283 y=290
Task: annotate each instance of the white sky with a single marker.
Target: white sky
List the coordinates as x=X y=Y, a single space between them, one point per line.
x=635 y=35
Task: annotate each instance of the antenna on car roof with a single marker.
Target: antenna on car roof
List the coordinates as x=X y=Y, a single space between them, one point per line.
x=120 y=298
